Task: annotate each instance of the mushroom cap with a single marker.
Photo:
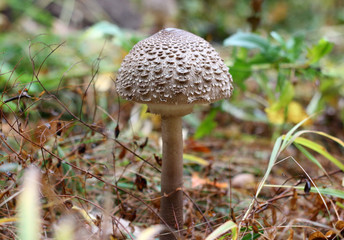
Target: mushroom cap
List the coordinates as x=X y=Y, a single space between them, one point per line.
x=173 y=67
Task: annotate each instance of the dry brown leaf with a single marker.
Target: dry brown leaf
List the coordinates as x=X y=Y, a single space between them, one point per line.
x=140 y=182
x=197 y=181
x=330 y=234
x=339 y=225
x=317 y=236
x=192 y=145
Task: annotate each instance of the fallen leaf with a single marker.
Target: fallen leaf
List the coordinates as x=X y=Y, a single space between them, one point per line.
x=330 y=234
x=192 y=145
x=140 y=182
x=197 y=181
x=188 y=158
x=317 y=236
x=340 y=226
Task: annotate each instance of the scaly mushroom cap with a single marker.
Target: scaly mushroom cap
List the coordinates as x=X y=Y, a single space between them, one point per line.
x=173 y=67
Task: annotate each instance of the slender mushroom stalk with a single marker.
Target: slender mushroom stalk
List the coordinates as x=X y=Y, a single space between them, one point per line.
x=172 y=71
x=172 y=172
x=171 y=206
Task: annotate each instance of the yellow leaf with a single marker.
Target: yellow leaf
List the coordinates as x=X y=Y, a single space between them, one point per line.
x=274 y=115
x=295 y=114
x=8 y=220
x=193 y=159
x=155 y=118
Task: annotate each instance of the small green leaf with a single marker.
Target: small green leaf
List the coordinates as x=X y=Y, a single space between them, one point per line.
x=207 y=125
x=9 y=107
x=278 y=38
x=253 y=236
x=318 y=51
x=295 y=46
x=104 y=28
x=239 y=112
x=247 y=40
x=287 y=95
x=241 y=70
x=340 y=205
x=281 y=80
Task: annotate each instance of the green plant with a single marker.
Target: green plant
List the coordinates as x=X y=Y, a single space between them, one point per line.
x=273 y=67
x=277 y=65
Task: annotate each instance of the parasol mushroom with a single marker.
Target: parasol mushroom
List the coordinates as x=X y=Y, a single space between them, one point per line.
x=171 y=71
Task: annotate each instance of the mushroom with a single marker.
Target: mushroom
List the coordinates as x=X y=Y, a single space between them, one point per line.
x=171 y=71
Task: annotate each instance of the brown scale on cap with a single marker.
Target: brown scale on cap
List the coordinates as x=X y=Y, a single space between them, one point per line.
x=173 y=67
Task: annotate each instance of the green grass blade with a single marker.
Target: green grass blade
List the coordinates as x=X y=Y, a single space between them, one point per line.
x=227 y=226
x=287 y=140
x=29 y=220
x=337 y=140
x=319 y=149
x=274 y=155
x=324 y=191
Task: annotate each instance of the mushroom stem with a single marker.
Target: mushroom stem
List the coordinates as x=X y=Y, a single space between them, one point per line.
x=171 y=207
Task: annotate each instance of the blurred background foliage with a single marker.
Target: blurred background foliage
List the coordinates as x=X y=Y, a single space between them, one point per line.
x=285 y=56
